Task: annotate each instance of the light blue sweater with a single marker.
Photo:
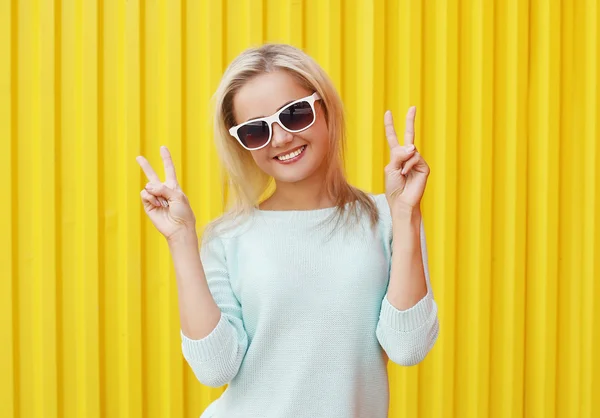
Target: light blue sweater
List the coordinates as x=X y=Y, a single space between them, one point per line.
x=306 y=324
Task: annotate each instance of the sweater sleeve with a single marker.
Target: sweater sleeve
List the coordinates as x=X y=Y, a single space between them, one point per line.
x=216 y=358
x=408 y=335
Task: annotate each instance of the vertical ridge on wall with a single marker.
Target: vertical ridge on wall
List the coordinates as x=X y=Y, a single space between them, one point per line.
x=509 y=207
x=283 y=21
x=568 y=359
x=112 y=394
x=49 y=163
x=590 y=112
x=89 y=274
x=29 y=198
x=58 y=175
x=369 y=126
x=212 y=48
x=542 y=211
x=123 y=271
x=483 y=20
x=349 y=81
x=9 y=394
x=474 y=174
x=440 y=65
x=72 y=214
x=131 y=19
x=323 y=35
x=100 y=205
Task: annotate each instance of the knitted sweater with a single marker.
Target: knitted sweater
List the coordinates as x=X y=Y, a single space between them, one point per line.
x=306 y=328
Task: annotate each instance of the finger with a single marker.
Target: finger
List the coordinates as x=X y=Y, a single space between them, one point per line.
x=148 y=198
x=402 y=154
x=152 y=188
x=169 y=167
x=150 y=173
x=390 y=132
x=163 y=202
x=160 y=190
x=411 y=163
x=409 y=134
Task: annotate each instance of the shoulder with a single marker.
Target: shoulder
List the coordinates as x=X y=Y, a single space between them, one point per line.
x=383 y=220
x=219 y=233
x=379 y=199
x=382 y=205
x=217 y=237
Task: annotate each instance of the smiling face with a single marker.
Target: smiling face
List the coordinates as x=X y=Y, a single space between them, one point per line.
x=263 y=96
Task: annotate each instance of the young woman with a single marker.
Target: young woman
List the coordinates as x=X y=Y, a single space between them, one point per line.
x=297 y=301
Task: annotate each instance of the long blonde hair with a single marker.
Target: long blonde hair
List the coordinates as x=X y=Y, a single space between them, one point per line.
x=247 y=182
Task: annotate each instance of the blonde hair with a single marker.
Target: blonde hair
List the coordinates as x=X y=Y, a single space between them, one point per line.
x=246 y=180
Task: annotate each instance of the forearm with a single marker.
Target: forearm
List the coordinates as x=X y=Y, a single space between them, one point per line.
x=199 y=314
x=407 y=277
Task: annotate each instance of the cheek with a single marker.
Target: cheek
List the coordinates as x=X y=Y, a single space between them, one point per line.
x=321 y=131
x=260 y=156
x=320 y=137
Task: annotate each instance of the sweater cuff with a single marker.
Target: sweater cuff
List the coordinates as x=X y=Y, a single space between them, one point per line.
x=211 y=346
x=407 y=320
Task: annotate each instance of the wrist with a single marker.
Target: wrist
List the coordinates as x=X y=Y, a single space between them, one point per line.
x=406 y=220
x=406 y=213
x=183 y=239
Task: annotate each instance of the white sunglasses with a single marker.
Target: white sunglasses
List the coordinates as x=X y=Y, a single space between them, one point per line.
x=293 y=117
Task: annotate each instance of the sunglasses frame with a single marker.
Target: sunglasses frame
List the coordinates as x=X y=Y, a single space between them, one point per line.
x=275 y=118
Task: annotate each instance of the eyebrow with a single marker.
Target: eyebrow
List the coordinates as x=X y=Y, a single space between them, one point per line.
x=278 y=109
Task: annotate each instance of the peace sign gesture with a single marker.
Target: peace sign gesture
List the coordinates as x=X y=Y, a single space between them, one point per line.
x=165 y=203
x=406 y=174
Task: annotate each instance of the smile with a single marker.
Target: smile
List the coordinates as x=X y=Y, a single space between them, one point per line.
x=291 y=157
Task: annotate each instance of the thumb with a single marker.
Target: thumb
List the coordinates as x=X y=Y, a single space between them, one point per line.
x=160 y=189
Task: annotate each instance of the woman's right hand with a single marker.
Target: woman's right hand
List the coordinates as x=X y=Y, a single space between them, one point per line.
x=165 y=203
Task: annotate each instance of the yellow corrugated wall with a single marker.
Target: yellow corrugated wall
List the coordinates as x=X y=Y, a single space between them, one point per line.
x=507 y=95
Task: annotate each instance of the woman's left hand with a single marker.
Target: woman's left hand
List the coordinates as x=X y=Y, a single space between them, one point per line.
x=406 y=174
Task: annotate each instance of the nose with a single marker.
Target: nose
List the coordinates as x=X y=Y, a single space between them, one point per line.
x=280 y=135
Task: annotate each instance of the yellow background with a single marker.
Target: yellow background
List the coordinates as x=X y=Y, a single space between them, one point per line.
x=507 y=96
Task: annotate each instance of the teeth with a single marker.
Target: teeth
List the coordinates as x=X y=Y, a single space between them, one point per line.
x=291 y=155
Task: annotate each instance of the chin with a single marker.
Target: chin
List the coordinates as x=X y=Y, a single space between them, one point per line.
x=289 y=177
x=294 y=176
x=296 y=179
x=293 y=173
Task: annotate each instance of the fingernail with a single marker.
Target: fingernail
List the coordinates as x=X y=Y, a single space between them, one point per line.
x=410 y=147
x=149 y=186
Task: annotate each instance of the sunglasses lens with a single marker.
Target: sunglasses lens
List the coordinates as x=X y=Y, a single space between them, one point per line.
x=254 y=134
x=297 y=116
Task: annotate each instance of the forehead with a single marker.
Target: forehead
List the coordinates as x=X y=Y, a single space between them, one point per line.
x=265 y=94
